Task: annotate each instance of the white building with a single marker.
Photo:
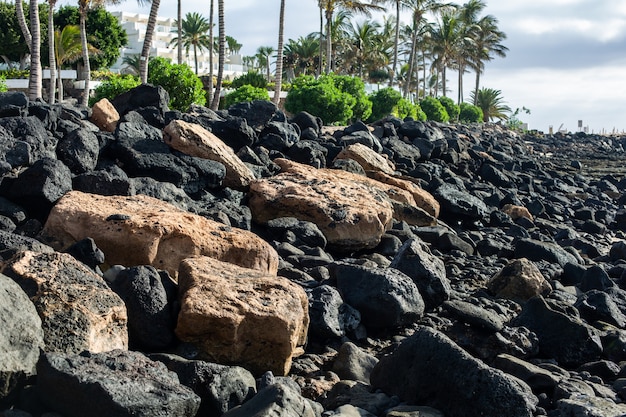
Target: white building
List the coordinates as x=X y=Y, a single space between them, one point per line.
x=165 y=30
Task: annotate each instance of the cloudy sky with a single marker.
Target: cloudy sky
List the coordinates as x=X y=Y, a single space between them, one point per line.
x=566 y=59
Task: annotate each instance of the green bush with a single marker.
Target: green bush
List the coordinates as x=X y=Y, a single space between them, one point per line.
x=354 y=86
x=13 y=73
x=3 y=85
x=383 y=103
x=252 y=78
x=179 y=80
x=245 y=93
x=470 y=113
x=451 y=107
x=434 y=110
x=419 y=113
x=112 y=88
x=321 y=98
x=405 y=109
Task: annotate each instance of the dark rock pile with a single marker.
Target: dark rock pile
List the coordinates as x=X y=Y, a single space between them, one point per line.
x=449 y=270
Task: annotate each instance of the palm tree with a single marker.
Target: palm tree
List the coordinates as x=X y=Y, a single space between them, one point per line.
x=232 y=45
x=490 y=102
x=362 y=38
x=195 y=35
x=330 y=6
x=221 y=55
x=263 y=54
x=19 y=11
x=147 y=41
x=446 y=36
x=51 y=53
x=34 y=81
x=279 y=58
x=179 y=31
x=211 y=49
x=487 y=43
x=67 y=49
x=301 y=54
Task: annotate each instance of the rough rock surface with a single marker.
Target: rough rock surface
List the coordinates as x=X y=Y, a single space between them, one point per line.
x=140 y=230
x=367 y=158
x=115 y=383
x=78 y=311
x=238 y=315
x=194 y=140
x=104 y=115
x=21 y=337
x=520 y=279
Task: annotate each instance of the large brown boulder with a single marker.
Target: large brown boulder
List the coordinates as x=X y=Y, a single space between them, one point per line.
x=78 y=311
x=241 y=316
x=104 y=115
x=519 y=280
x=351 y=214
x=423 y=199
x=141 y=230
x=368 y=158
x=192 y=139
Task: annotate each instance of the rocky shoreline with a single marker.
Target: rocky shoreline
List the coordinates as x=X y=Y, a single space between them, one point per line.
x=243 y=263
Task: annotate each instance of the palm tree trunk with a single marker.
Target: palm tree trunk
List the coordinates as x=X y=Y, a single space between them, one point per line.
x=321 y=57
x=51 y=55
x=147 y=42
x=83 y=41
x=409 y=73
x=476 y=89
x=60 y=85
x=443 y=74
x=19 y=11
x=195 y=57
x=395 y=45
x=179 y=29
x=279 y=59
x=210 y=95
x=329 y=47
x=34 y=81
x=460 y=92
x=424 y=71
x=220 y=69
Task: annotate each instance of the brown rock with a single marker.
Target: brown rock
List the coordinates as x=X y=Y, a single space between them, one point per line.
x=141 y=230
x=351 y=214
x=515 y=212
x=240 y=316
x=423 y=199
x=520 y=279
x=369 y=159
x=78 y=311
x=104 y=115
x=194 y=140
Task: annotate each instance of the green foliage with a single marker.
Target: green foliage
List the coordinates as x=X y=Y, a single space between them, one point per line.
x=491 y=103
x=383 y=103
x=183 y=86
x=514 y=121
x=452 y=108
x=405 y=109
x=321 y=98
x=419 y=114
x=434 y=110
x=115 y=86
x=470 y=113
x=13 y=73
x=355 y=86
x=3 y=85
x=252 y=78
x=103 y=32
x=245 y=93
x=12 y=43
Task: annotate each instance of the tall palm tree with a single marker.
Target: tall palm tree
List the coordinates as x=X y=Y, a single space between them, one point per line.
x=301 y=54
x=195 y=35
x=34 y=81
x=51 y=53
x=232 y=45
x=221 y=55
x=487 y=44
x=211 y=50
x=147 y=41
x=179 y=31
x=362 y=39
x=330 y=6
x=263 y=54
x=446 y=37
x=279 y=58
x=491 y=103
x=21 y=19
x=67 y=49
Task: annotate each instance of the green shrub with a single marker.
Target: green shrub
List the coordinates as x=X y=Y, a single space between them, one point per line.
x=179 y=80
x=434 y=110
x=252 y=78
x=383 y=103
x=112 y=88
x=13 y=73
x=321 y=98
x=354 y=86
x=245 y=93
x=405 y=109
x=451 y=107
x=419 y=113
x=470 y=113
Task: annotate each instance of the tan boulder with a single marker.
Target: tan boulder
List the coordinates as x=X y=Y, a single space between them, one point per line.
x=239 y=316
x=104 y=115
x=368 y=158
x=423 y=199
x=515 y=212
x=141 y=230
x=78 y=311
x=519 y=280
x=194 y=140
x=352 y=214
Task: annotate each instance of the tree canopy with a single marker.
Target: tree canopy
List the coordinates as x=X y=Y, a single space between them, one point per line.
x=13 y=47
